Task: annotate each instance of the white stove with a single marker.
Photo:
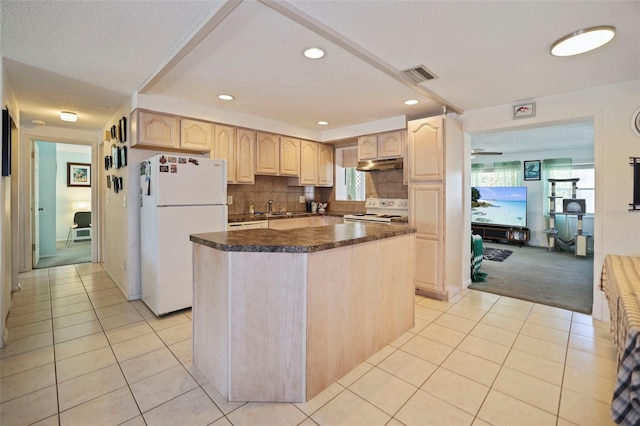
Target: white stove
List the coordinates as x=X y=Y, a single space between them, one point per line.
x=385 y=210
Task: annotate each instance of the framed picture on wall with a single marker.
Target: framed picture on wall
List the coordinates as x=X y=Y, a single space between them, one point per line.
x=78 y=174
x=532 y=170
x=6 y=142
x=524 y=110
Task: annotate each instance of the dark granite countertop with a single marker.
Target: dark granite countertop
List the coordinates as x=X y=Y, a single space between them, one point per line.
x=246 y=217
x=300 y=240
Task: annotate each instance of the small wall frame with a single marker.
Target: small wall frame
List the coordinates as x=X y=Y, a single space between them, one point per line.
x=635 y=204
x=532 y=170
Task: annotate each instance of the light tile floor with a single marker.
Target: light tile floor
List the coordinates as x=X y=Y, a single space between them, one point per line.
x=80 y=354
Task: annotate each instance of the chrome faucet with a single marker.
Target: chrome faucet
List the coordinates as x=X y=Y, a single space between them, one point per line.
x=270 y=202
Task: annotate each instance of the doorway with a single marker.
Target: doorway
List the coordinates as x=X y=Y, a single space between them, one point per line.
x=562 y=151
x=61 y=195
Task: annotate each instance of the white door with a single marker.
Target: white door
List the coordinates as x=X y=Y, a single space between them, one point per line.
x=36 y=207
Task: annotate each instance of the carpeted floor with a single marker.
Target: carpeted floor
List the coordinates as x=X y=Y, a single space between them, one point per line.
x=77 y=252
x=535 y=274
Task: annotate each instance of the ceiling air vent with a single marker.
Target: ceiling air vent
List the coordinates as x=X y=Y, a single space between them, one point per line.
x=419 y=74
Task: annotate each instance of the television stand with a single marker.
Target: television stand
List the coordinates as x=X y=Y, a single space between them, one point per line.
x=512 y=234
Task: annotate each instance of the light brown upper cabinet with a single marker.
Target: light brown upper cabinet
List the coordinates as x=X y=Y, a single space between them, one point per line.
x=196 y=135
x=224 y=148
x=368 y=147
x=316 y=165
x=289 y=156
x=325 y=165
x=246 y=156
x=154 y=130
x=237 y=146
x=390 y=144
x=383 y=145
x=308 y=163
x=426 y=150
x=267 y=154
x=277 y=155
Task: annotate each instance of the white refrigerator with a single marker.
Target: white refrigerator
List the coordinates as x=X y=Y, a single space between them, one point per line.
x=180 y=195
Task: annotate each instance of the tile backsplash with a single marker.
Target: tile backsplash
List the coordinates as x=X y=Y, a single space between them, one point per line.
x=271 y=188
x=379 y=184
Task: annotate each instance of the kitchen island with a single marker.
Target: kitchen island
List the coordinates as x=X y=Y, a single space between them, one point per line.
x=278 y=316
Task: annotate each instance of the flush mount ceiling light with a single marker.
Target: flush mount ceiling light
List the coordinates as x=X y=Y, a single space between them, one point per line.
x=68 y=116
x=314 y=53
x=323 y=123
x=583 y=41
x=411 y=102
x=226 y=97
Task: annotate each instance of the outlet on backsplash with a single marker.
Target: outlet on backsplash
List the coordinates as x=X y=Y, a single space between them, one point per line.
x=301 y=199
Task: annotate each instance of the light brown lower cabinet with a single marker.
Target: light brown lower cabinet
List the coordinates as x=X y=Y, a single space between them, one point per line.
x=289 y=326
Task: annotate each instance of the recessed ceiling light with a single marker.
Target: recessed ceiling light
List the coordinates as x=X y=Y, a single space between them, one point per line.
x=101 y=107
x=38 y=122
x=68 y=116
x=323 y=123
x=411 y=102
x=226 y=97
x=314 y=53
x=583 y=41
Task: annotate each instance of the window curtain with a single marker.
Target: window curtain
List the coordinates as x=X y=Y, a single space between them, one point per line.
x=557 y=168
x=506 y=173
x=476 y=174
x=509 y=173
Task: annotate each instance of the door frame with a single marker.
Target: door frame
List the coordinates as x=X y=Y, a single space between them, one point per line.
x=26 y=216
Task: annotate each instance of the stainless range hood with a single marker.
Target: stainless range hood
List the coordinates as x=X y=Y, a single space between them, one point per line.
x=385 y=164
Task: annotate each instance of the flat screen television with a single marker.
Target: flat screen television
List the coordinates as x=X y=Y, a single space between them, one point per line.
x=499 y=205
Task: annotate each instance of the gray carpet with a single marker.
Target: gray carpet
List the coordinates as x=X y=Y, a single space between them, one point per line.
x=535 y=274
x=79 y=252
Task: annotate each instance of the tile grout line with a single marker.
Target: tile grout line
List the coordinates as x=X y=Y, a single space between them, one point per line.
x=53 y=350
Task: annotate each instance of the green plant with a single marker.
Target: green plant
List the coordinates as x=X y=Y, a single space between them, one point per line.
x=475 y=194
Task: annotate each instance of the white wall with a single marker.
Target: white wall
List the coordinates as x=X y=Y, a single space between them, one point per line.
x=616 y=229
x=121 y=250
x=8 y=277
x=65 y=195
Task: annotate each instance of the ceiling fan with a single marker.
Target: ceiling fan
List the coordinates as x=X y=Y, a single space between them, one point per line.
x=478 y=151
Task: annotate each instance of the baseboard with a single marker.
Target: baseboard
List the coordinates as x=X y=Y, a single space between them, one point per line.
x=432 y=294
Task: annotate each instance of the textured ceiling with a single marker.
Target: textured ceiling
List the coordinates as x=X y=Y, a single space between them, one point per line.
x=90 y=56
x=86 y=55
